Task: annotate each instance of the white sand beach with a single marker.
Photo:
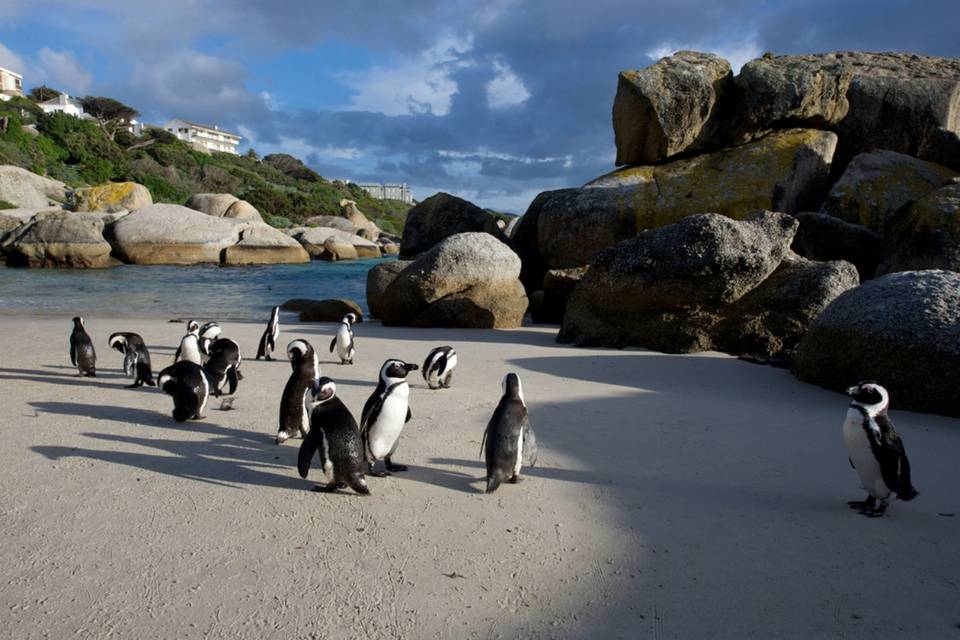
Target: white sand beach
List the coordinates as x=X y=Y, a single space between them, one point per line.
x=675 y=497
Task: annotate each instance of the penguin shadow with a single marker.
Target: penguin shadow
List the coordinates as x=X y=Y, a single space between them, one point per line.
x=227 y=457
x=548 y=473
x=65 y=379
x=454 y=480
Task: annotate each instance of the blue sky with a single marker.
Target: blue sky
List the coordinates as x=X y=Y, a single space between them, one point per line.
x=493 y=101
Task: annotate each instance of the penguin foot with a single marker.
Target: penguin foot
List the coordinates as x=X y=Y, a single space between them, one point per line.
x=379 y=474
x=325 y=488
x=395 y=467
x=875 y=512
x=863 y=505
x=135 y=385
x=268 y=358
x=514 y=480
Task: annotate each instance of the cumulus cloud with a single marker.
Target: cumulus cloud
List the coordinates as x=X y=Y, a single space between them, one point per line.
x=506 y=89
x=10 y=60
x=61 y=69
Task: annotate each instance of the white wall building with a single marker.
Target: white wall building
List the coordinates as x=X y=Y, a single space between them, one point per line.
x=11 y=84
x=395 y=191
x=209 y=138
x=64 y=104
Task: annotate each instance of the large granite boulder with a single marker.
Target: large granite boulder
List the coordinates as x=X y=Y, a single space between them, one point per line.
x=112 y=197
x=64 y=239
x=467 y=280
x=673 y=106
x=212 y=204
x=8 y=226
x=927 y=236
x=549 y=304
x=27 y=190
x=902 y=330
x=707 y=282
x=326 y=243
x=785 y=171
x=899 y=101
x=364 y=227
x=876 y=185
x=330 y=310
x=171 y=234
x=262 y=244
x=825 y=237
x=336 y=249
x=379 y=278
x=243 y=210
x=441 y=216
x=333 y=222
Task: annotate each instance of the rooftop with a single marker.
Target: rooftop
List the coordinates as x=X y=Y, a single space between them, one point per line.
x=207 y=127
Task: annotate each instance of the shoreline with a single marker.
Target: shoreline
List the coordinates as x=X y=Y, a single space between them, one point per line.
x=663 y=481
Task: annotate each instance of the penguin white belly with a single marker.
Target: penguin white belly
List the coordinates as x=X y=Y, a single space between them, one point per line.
x=386 y=430
x=343 y=344
x=451 y=363
x=858 y=448
x=190 y=352
x=519 y=462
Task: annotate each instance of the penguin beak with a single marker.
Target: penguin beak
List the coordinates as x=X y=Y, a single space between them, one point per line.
x=410 y=367
x=851 y=391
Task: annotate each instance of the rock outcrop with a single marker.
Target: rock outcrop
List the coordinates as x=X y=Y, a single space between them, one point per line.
x=62 y=240
x=330 y=310
x=354 y=216
x=467 y=280
x=325 y=243
x=878 y=184
x=262 y=244
x=242 y=210
x=212 y=204
x=379 y=278
x=549 y=304
x=171 y=234
x=441 y=216
x=112 y=197
x=333 y=222
x=927 y=236
x=707 y=282
x=901 y=330
x=671 y=107
x=825 y=237
x=27 y=190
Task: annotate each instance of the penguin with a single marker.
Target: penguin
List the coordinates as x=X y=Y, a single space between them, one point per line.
x=875 y=450
x=294 y=414
x=268 y=342
x=189 y=348
x=438 y=367
x=82 y=354
x=508 y=438
x=334 y=436
x=384 y=415
x=187 y=382
x=136 y=358
x=223 y=366
x=343 y=341
x=207 y=335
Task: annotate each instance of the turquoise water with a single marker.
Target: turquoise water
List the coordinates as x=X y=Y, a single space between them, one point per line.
x=227 y=293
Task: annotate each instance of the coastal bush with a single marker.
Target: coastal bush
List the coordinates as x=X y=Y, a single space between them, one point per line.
x=278 y=222
x=6 y=205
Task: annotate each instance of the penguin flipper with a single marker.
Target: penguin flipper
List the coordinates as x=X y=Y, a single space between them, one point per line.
x=176 y=355
x=73 y=354
x=262 y=347
x=232 y=380
x=333 y=344
x=309 y=446
x=409 y=415
x=894 y=466
x=530 y=450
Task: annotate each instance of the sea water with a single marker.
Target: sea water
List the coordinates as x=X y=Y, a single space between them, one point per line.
x=203 y=291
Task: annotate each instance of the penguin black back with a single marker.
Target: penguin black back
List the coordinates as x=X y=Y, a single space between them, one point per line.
x=136 y=357
x=268 y=341
x=223 y=366
x=189 y=386
x=294 y=415
x=82 y=354
x=507 y=436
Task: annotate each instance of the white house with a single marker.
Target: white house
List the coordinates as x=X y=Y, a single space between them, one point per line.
x=64 y=104
x=11 y=84
x=209 y=138
x=388 y=191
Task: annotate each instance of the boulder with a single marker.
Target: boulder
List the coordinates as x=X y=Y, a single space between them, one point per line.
x=360 y=222
x=671 y=107
x=171 y=234
x=27 y=190
x=112 y=197
x=549 y=304
x=707 y=282
x=262 y=244
x=876 y=185
x=467 y=280
x=824 y=237
x=390 y=248
x=441 y=216
x=902 y=330
x=927 y=236
x=379 y=278
x=242 y=210
x=898 y=101
x=212 y=204
x=8 y=226
x=330 y=310
x=326 y=243
x=65 y=239
x=785 y=171
x=336 y=249
x=333 y=222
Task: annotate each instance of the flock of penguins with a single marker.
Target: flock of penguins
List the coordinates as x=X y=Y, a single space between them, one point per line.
x=207 y=363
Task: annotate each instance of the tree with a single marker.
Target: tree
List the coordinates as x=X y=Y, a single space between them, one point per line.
x=42 y=93
x=111 y=115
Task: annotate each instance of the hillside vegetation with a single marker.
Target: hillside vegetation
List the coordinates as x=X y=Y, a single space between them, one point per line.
x=77 y=152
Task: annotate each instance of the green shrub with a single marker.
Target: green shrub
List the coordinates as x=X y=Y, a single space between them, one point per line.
x=6 y=205
x=278 y=222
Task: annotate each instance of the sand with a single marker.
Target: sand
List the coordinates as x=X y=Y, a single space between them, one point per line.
x=675 y=497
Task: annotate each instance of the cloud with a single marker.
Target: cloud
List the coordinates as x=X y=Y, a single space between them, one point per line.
x=62 y=70
x=10 y=60
x=506 y=89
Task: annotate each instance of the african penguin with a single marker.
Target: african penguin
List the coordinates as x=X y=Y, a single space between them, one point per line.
x=187 y=382
x=384 y=415
x=268 y=342
x=207 y=335
x=82 y=354
x=875 y=450
x=343 y=341
x=438 y=367
x=136 y=357
x=189 y=348
x=508 y=438
x=294 y=413
x=223 y=366
x=334 y=437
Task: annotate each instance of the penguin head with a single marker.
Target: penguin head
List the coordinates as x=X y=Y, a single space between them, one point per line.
x=349 y=318
x=869 y=395
x=275 y=312
x=205 y=346
x=303 y=358
x=323 y=390
x=393 y=370
x=118 y=341
x=78 y=321
x=512 y=388
x=193 y=327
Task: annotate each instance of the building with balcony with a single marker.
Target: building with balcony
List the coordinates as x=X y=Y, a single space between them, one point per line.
x=11 y=84
x=394 y=191
x=64 y=104
x=204 y=137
